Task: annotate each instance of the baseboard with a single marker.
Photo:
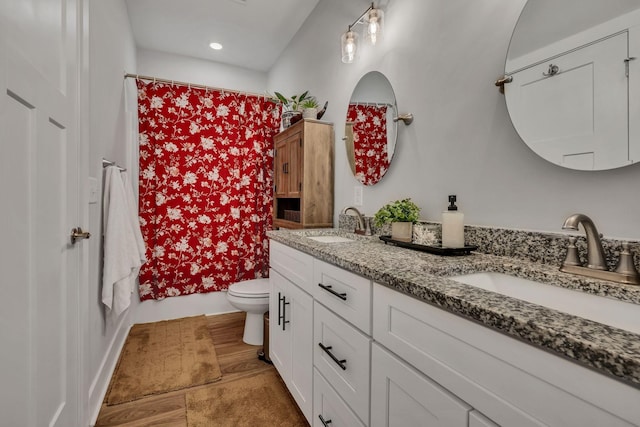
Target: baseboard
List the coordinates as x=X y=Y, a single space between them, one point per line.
x=100 y=383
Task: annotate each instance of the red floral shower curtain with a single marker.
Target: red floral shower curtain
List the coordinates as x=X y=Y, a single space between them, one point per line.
x=206 y=160
x=369 y=141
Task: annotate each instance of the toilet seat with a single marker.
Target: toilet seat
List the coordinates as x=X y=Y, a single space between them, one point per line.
x=256 y=288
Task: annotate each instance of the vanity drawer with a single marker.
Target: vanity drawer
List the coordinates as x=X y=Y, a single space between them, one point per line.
x=292 y=264
x=328 y=406
x=345 y=293
x=342 y=355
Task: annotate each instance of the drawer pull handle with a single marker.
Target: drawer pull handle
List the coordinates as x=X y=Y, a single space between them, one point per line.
x=342 y=296
x=339 y=362
x=280 y=298
x=282 y=314
x=324 y=422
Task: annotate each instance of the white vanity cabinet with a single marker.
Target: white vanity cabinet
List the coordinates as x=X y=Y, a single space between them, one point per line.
x=291 y=322
x=508 y=382
x=357 y=353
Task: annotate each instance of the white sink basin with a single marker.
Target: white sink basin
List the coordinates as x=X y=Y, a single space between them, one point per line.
x=611 y=312
x=330 y=239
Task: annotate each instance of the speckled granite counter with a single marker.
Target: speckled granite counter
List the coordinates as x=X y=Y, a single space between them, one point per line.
x=422 y=275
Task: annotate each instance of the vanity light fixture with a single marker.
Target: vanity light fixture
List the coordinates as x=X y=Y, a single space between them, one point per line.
x=372 y=19
x=349 y=42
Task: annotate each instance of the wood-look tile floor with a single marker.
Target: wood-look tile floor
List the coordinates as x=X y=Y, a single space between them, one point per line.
x=236 y=359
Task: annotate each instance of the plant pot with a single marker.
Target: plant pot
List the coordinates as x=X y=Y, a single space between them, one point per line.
x=290 y=117
x=309 y=113
x=402 y=231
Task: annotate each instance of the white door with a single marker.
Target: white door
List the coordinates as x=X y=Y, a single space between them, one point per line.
x=39 y=267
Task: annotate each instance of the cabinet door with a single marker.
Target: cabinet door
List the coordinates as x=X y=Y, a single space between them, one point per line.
x=402 y=396
x=299 y=314
x=279 y=337
x=290 y=338
x=280 y=164
x=294 y=165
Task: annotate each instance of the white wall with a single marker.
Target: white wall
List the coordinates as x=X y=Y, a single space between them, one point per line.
x=442 y=58
x=198 y=71
x=111 y=53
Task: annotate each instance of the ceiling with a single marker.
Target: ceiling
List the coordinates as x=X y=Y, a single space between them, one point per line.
x=253 y=32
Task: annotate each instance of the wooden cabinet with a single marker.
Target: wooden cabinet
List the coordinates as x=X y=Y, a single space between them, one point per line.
x=303 y=176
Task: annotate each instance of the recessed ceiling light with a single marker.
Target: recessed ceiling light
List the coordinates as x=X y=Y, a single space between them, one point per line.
x=215 y=46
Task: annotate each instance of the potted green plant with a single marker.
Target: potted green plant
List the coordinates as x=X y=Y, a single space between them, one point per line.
x=309 y=108
x=291 y=107
x=401 y=214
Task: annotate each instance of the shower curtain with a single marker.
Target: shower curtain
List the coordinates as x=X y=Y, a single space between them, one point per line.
x=206 y=160
x=369 y=141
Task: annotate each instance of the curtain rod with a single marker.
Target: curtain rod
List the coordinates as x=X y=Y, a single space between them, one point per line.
x=157 y=79
x=372 y=104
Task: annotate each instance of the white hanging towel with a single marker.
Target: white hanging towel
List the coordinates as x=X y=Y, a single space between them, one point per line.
x=121 y=254
x=134 y=218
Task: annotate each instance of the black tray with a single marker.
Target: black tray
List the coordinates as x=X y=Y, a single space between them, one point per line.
x=436 y=249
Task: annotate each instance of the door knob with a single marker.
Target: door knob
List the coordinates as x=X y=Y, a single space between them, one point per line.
x=77 y=234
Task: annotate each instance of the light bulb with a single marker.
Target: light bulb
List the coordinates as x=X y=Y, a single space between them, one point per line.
x=349 y=42
x=373 y=31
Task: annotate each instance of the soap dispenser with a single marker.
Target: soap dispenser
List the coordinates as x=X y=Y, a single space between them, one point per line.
x=452 y=226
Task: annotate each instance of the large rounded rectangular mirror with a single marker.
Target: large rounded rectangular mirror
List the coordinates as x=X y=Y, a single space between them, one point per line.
x=574 y=95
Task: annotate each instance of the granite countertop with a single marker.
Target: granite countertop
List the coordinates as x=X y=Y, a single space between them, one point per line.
x=607 y=349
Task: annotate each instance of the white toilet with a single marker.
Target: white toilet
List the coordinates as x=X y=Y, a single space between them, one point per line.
x=251 y=296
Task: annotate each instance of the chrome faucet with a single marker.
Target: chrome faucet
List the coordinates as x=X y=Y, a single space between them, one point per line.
x=596 y=267
x=360 y=229
x=595 y=252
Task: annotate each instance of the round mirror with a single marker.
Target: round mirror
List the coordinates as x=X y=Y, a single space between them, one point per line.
x=575 y=81
x=370 y=130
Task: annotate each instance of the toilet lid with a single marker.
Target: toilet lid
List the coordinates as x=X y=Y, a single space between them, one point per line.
x=255 y=288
